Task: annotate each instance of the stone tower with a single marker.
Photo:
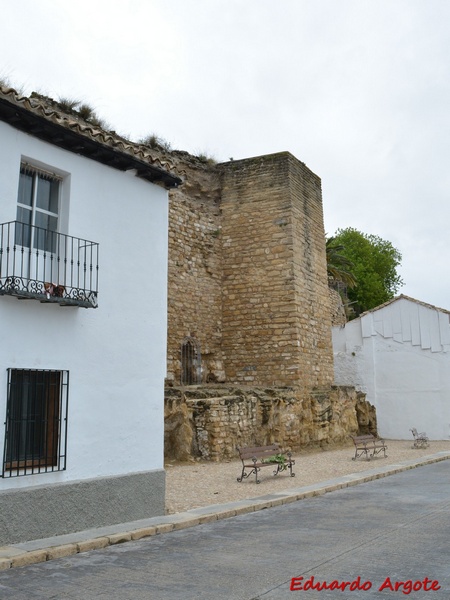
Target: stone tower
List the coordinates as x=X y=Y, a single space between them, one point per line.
x=275 y=317
x=248 y=288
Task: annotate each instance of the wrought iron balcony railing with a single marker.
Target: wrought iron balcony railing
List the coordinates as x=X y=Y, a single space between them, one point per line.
x=44 y=265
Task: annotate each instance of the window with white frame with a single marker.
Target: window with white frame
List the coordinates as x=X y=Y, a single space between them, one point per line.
x=37 y=208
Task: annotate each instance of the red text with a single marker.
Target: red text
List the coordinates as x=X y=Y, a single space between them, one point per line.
x=408 y=586
x=298 y=583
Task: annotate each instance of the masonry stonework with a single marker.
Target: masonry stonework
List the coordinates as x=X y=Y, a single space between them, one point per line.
x=195 y=271
x=338 y=315
x=276 y=315
x=210 y=422
x=247 y=273
x=248 y=285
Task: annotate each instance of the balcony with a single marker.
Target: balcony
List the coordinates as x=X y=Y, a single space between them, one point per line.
x=38 y=264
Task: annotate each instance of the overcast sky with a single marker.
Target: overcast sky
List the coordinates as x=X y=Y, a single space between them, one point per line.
x=359 y=90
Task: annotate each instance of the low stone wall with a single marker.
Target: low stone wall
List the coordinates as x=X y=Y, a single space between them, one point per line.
x=209 y=422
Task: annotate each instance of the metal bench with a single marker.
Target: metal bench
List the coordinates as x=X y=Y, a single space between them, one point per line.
x=254 y=458
x=420 y=439
x=369 y=446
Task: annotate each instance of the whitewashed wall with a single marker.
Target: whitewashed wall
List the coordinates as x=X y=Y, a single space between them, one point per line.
x=115 y=353
x=399 y=355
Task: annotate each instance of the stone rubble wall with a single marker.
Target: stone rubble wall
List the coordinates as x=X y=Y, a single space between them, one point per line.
x=195 y=271
x=210 y=422
x=247 y=272
x=338 y=316
x=247 y=282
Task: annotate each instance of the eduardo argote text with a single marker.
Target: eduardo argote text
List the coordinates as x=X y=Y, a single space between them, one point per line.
x=405 y=587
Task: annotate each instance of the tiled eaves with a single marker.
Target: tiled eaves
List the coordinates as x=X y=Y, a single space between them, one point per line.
x=38 y=118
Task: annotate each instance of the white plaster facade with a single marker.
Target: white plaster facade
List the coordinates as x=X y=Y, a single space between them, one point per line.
x=399 y=354
x=115 y=354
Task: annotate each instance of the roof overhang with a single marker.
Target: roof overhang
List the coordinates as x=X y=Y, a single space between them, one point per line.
x=76 y=142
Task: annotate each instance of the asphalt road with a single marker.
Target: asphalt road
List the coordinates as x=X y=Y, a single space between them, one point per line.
x=362 y=538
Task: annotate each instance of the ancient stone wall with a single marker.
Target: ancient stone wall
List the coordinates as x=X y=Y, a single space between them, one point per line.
x=337 y=309
x=276 y=326
x=210 y=422
x=247 y=281
x=195 y=270
x=310 y=278
x=248 y=284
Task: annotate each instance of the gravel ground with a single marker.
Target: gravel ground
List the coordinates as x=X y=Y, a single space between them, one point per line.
x=202 y=483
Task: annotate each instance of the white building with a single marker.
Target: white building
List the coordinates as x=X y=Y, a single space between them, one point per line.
x=83 y=285
x=399 y=354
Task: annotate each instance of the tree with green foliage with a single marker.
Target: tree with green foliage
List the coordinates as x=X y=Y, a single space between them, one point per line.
x=339 y=267
x=374 y=266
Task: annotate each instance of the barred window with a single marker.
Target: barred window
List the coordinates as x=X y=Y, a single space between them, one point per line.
x=191 y=362
x=36 y=422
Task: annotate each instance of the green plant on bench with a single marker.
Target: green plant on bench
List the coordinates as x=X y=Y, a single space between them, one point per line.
x=279 y=459
x=254 y=458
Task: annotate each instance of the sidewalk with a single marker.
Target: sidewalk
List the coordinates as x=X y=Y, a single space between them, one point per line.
x=57 y=547
x=202 y=483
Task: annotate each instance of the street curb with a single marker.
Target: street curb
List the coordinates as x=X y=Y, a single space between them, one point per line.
x=36 y=551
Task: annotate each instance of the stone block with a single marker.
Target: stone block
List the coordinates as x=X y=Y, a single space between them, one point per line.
x=61 y=551
x=142 y=533
x=164 y=528
x=119 y=538
x=94 y=544
x=29 y=558
x=5 y=563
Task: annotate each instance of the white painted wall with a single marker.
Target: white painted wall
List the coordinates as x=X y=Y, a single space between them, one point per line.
x=399 y=355
x=115 y=353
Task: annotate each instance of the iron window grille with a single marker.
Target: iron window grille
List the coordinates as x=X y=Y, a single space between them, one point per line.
x=191 y=362
x=36 y=422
